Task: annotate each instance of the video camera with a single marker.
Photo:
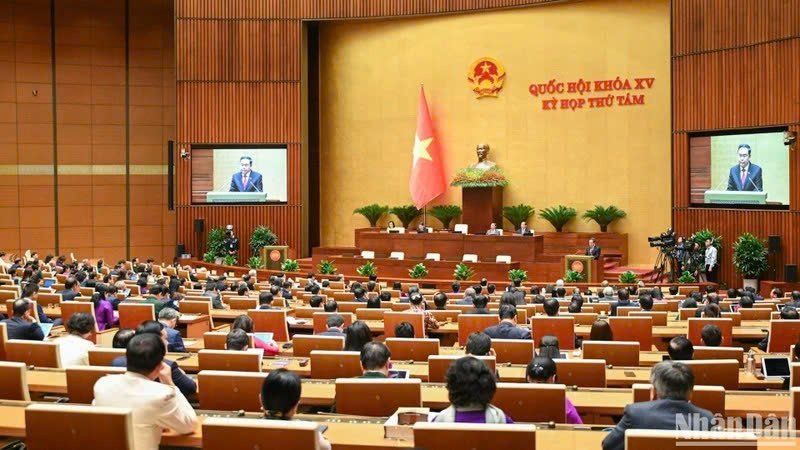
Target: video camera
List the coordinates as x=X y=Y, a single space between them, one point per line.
x=663 y=240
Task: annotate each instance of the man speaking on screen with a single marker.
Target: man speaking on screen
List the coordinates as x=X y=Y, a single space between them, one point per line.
x=745 y=176
x=246 y=180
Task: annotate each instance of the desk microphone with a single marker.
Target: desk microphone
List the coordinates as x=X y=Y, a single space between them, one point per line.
x=753 y=183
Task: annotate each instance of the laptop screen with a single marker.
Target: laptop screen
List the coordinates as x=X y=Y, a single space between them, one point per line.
x=48 y=283
x=46 y=327
x=775 y=367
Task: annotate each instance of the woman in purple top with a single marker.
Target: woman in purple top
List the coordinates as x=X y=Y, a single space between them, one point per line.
x=470 y=387
x=543 y=370
x=103 y=312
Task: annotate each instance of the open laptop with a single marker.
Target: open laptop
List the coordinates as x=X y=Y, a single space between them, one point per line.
x=46 y=327
x=263 y=337
x=48 y=283
x=775 y=367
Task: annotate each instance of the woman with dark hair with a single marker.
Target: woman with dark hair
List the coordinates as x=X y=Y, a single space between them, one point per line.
x=245 y=323
x=543 y=370
x=103 y=312
x=356 y=335
x=142 y=283
x=601 y=331
x=280 y=397
x=470 y=388
x=550 y=347
x=657 y=294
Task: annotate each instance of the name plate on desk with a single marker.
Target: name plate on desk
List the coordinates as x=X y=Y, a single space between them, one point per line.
x=238 y=197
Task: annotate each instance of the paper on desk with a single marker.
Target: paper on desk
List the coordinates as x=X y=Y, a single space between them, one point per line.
x=189 y=316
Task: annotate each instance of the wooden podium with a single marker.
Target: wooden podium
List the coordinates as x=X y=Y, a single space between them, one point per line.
x=592 y=269
x=482 y=206
x=272 y=256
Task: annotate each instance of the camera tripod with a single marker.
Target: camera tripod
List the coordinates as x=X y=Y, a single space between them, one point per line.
x=665 y=266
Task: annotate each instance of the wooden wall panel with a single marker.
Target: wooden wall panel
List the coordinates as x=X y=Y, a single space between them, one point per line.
x=707 y=25
x=734 y=66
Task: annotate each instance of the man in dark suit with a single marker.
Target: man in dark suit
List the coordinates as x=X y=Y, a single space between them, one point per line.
x=469 y=296
x=480 y=302
x=624 y=300
x=745 y=176
x=508 y=329
x=593 y=250
x=23 y=325
x=212 y=290
x=71 y=290
x=524 y=230
x=669 y=410
x=169 y=318
x=335 y=324
x=246 y=180
x=185 y=384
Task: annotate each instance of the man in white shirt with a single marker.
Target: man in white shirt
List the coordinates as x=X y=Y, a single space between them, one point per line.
x=493 y=231
x=711 y=261
x=155 y=405
x=74 y=348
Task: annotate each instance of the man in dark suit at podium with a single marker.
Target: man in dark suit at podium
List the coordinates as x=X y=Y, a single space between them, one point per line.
x=745 y=176
x=246 y=180
x=593 y=250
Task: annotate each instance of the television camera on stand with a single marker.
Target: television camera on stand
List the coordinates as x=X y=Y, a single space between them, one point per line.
x=666 y=264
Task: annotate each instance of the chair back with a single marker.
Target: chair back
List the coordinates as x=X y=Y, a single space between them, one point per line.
x=469 y=257
x=14 y=381
x=616 y=353
x=638 y=329
x=392 y=318
x=412 y=349
x=62 y=426
x=370 y=313
x=81 y=380
x=503 y=259
x=270 y=321
x=514 y=351
x=562 y=327
x=716 y=372
x=376 y=397
x=470 y=323
x=434 y=436
x=46 y=299
x=215 y=340
x=438 y=365
x=243 y=303
x=304 y=344
x=659 y=317
x=242 y=361
x=624 y=311
x=703 y=352
x=230 y=390
x=735 y=316
x=133 y=314
x=397 y=255
x=755 y=313
x=329 y=365
x=676 y=440
x=711 y=398
x=696 y=327
x=320 y=320
x=219 y=433
x=349 y=306
x=532 y=402
x=3 y=340
x=581 y=372
x=686 y=313
x=102 y=356
x=582 y=318
x=782 y=334
x=202 y=307
x=34 y=353
x=433 y=256
x=441 y=315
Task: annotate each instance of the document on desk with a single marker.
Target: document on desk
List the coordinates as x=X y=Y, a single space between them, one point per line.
x=189 y=316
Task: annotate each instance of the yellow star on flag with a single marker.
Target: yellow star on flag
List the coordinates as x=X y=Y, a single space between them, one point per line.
x=421 y=149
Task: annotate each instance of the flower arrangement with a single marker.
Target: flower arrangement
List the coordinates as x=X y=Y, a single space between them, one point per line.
x=469 y=177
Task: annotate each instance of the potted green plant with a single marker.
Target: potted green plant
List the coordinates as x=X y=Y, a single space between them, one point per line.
x=290 y=265
x=406 y=214
x=517 y=276
x=372 y=212
x=367 y=269
x=573 y=276
x=558 y=216
x=326 y=267
x=419 y=271
x=229 y=260
x=686 y=277
x=446 y=214
x=517 y=214
x=215 y=246
x=628 y=277
x=463 y=272
x=750 y=258
x=255 y=262
x=604 y=216
x=262 y=236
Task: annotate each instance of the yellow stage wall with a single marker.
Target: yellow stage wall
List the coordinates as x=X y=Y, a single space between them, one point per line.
x=370 y=77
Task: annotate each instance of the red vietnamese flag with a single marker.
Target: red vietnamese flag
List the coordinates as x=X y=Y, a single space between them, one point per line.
x=427 y=175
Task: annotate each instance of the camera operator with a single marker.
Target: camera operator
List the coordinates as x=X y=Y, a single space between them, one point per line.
x=231 y=241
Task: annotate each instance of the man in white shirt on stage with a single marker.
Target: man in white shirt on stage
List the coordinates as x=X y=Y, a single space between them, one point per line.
x=155 y=405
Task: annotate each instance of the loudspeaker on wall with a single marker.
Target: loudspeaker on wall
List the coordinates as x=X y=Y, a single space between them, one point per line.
x=199 y=225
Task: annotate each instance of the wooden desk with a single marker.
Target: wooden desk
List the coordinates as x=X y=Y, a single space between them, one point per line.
x=487 y=268
x=195 y=327
x=451 y=246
